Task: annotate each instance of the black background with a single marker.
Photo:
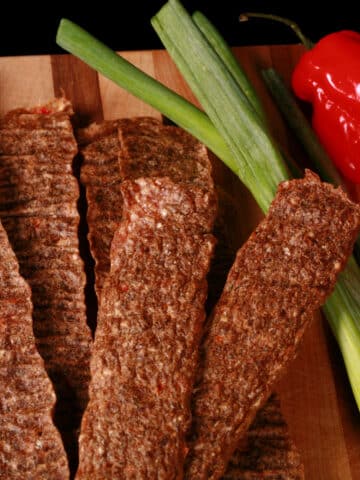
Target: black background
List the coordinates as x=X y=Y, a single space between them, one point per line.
x=31 y=29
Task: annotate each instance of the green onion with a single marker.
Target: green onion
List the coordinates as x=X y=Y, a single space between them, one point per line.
x=218 y=43
x=342 y=312
x=259 y=163
x=205 y=72
x=251 y=154
x=223 y=50
x=300 y=126
x=82 y=44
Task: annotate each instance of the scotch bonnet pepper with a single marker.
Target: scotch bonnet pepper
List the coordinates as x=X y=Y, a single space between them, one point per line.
x=328 y=76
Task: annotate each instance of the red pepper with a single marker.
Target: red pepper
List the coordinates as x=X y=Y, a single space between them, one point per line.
x=328 y=76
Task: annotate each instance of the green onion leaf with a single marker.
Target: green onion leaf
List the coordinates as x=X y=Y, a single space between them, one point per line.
x=83 y=45
x=260 y=165
x=215 y=39
x=300 y=126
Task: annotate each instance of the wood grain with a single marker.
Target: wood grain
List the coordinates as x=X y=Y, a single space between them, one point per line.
x=80 y=84
x=315 y=394
x=117 y=103
x=24 y=82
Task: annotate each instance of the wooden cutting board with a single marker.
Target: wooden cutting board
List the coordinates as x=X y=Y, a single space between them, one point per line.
x=316 y=397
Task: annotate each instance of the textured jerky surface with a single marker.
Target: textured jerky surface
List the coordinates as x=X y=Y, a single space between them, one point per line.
x=266 y=452
x=127 y=149
x=150 y=322
x=283 y=273
x=30 y=445
x=38 y=208
x=99 y=147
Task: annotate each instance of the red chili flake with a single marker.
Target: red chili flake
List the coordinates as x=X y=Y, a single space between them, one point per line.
x=160 y=387
x=219 y=339
x=12 y=300
x=124 y=288
x=36 y=222
x=45 y=111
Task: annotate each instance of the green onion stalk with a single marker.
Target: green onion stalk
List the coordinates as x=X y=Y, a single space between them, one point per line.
x=233 y=127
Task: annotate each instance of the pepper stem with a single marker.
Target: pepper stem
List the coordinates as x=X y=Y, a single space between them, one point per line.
x=244 y=17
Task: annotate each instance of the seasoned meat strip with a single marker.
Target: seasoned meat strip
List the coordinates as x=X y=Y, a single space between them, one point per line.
x=283 y=273
x=127 y=149
x=100 y=149
x=30 y=445
x=150 y=323
x=266 y=452
x=38 y=208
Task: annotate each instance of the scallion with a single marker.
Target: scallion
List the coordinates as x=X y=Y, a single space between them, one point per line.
x=218 y=43
x=204 y=72
x=300 y=126
x=260 y=165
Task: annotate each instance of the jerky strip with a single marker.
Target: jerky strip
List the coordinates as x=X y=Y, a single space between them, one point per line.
x=283 y=273
x=38 y=207
x=150 y=323
x=145 y=148
x=30 y=445
x=100 y=175
x=266 y=452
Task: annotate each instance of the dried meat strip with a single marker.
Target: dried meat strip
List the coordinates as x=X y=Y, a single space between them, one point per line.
x=100 y=174
x=127 y=149
x=99 y=147
x=266 y=452
x=154 y=150
x=150 y=323
x=283 y=273
x=30 y=445
x=38 y=208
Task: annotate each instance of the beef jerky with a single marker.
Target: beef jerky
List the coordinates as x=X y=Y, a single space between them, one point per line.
x=30 y=445
x=33 y=187
x=283 y=273
x=267 y=451
x=38 y=207
x=99 y=147
x=100 y=169
x=156 y=150
x=128 y=149
x=150 y=322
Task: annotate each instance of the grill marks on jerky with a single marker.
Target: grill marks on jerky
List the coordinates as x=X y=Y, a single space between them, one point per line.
x=266 y=451
x=127 y=149
x=38 y=208
x=283 y=273
x=30 y=445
